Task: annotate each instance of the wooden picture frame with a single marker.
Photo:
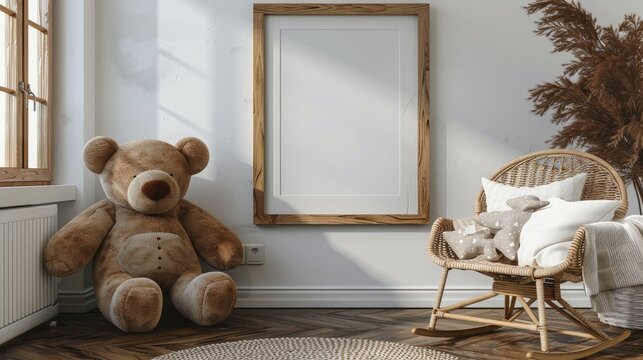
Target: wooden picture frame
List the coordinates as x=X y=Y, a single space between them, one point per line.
x=282 y=192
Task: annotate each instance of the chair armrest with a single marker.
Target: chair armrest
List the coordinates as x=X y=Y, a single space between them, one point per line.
x=576 y=252
x=439 y=250
x=571 y=268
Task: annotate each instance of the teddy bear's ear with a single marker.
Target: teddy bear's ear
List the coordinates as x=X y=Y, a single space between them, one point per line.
x=97 y=151
x=195 y=152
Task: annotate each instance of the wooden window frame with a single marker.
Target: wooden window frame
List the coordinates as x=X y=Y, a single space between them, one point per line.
x=22 y=175
x=260 y=217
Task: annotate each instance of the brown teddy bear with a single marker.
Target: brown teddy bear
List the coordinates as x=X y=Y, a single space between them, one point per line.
x=145 y=239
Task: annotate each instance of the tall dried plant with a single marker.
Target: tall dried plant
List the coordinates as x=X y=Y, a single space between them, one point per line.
x=599 y=97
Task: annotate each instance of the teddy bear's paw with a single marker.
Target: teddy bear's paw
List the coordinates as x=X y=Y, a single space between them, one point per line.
x=219 y=297
x=137 y=305
x=58 y=267
x=230 y=257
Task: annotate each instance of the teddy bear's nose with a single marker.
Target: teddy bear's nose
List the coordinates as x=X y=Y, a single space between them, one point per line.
x=156 y=189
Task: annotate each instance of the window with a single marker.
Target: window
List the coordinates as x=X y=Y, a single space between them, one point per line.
x=25 y=90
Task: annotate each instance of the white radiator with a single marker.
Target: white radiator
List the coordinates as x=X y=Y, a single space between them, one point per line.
x=27 y=291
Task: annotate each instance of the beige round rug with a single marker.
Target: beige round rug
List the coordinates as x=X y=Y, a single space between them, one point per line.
x=308 y=349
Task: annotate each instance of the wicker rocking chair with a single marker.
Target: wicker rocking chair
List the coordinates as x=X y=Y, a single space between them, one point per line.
x=525 y=284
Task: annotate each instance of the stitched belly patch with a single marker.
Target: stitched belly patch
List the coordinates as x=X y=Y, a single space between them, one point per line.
x=154 y=255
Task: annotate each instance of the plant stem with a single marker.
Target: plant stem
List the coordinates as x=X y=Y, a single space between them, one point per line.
x=638 y=189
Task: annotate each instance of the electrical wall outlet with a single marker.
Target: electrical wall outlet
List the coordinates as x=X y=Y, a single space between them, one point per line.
x=254 y=254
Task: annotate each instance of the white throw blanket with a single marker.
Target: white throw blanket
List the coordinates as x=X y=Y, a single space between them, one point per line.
x=613 y=259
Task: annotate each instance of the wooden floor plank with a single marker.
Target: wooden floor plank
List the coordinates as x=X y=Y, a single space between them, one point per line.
x=89 y=336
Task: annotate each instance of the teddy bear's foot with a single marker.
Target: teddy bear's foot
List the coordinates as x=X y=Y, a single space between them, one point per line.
x=219 y=297
x=206 y=299
x=136 y=305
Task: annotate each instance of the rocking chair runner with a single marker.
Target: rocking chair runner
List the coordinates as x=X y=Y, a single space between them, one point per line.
x=527 y=284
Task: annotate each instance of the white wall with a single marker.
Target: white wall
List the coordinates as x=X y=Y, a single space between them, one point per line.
x=172 y=68
x=73 y=114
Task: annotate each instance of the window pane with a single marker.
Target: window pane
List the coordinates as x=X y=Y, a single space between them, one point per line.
x=8 y=139
x=11 y=4
x=38 y=62
x=38 y=12
x=8 y=39
x=37 y=136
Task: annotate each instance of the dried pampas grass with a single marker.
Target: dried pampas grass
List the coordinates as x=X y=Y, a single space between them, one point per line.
x=599 y=97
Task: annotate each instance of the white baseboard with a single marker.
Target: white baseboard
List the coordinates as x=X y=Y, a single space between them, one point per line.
x=25 y=324
x=374 y=298
x=80 y=301
x=85 y=300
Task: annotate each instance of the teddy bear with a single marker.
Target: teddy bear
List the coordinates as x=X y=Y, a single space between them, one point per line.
x=145 y=239
x=496 y=230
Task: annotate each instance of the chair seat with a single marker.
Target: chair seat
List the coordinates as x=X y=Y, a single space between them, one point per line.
x=481 y=265
x=441 y=254
x=500 y=268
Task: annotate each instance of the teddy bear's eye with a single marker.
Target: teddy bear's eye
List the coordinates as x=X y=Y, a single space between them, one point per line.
x=134 y=176
x=172 y=175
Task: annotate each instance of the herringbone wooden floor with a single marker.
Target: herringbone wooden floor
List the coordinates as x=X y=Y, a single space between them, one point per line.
x=89 y=336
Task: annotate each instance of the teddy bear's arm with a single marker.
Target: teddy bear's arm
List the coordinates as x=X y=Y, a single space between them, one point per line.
x=73 y=246
x=213 y=241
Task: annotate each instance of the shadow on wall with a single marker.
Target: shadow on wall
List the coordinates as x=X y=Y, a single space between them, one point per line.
x=297 y=257
x=127 y=60
x=161 y=78
x=437 y=144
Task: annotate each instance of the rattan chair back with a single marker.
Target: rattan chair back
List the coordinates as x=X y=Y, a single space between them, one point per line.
x=543 y=167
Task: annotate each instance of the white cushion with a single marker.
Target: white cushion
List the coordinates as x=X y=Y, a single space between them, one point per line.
x=497 y=194
x=546 y=236
x=552 y=255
